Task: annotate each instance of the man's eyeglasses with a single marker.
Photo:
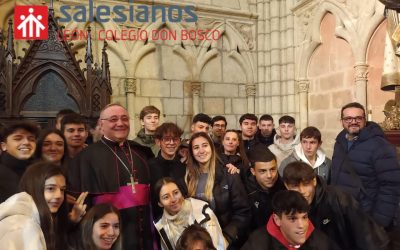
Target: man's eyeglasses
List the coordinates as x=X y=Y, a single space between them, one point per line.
x=219 y=125
x=349 y=119
x=171 y=139
x=114 y=119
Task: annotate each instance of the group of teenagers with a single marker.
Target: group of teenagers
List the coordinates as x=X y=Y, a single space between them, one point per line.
x=259 y=187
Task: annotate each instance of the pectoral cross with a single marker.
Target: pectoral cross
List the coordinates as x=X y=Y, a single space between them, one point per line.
x=132 y=184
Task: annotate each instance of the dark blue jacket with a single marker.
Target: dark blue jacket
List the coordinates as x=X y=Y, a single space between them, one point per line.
x=376 y=169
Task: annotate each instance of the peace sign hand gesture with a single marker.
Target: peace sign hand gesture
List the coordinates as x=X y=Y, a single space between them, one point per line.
x=79 y=208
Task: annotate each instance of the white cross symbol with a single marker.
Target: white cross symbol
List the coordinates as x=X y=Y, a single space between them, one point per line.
x=31 y=19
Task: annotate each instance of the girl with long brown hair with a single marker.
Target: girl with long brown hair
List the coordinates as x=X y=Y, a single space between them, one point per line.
x=37 y=218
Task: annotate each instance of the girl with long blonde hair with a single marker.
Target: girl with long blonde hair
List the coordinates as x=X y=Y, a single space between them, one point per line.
x=207 y=179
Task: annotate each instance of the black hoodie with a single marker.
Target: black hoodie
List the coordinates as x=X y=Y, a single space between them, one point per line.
x=260 y=200
x=338 y=215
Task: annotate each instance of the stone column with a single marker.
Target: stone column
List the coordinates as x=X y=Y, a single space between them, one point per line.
x=261 y=44
x=303 y=86
x=250 y=94
x=290 y=59
x=283 y=60
x=130 y=90
x=268 y=86
x=196 y=88
x=275 y=53
x=361 y=78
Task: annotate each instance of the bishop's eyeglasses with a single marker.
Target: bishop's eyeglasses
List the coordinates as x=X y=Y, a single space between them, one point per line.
x=114 y=119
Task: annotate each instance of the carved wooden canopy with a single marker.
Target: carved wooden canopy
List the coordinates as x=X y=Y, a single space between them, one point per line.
x=49 y=78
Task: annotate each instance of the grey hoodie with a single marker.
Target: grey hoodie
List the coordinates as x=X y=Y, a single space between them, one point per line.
x=322 y=166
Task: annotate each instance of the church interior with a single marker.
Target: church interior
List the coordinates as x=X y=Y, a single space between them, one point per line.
x=305 y=58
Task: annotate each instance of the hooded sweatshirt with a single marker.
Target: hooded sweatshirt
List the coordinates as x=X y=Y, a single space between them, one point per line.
x=321 y=167
x=147 y=141
x=275 y=232
x=270 y=237
x=281 y=151
x=20 y=224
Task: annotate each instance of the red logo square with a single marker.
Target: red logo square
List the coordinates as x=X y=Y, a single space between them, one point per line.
x=31 y=22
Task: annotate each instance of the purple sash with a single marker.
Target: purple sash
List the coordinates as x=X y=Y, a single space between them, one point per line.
x=125 y=198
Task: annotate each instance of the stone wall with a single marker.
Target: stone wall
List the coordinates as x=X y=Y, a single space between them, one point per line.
x=331 y=74
x=304 y=58
x=219 y=74
x=339 y=59
x=164 y=71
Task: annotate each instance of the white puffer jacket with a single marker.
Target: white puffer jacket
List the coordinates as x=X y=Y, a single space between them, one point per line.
x=20 y=224
x=200 y=213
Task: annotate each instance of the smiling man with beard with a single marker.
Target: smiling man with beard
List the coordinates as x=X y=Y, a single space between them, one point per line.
x=365 y=165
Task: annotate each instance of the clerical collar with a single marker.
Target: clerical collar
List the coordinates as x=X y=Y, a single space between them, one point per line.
x=112 y=142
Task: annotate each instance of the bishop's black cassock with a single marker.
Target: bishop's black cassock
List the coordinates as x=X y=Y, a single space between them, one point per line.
x=105 y=169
